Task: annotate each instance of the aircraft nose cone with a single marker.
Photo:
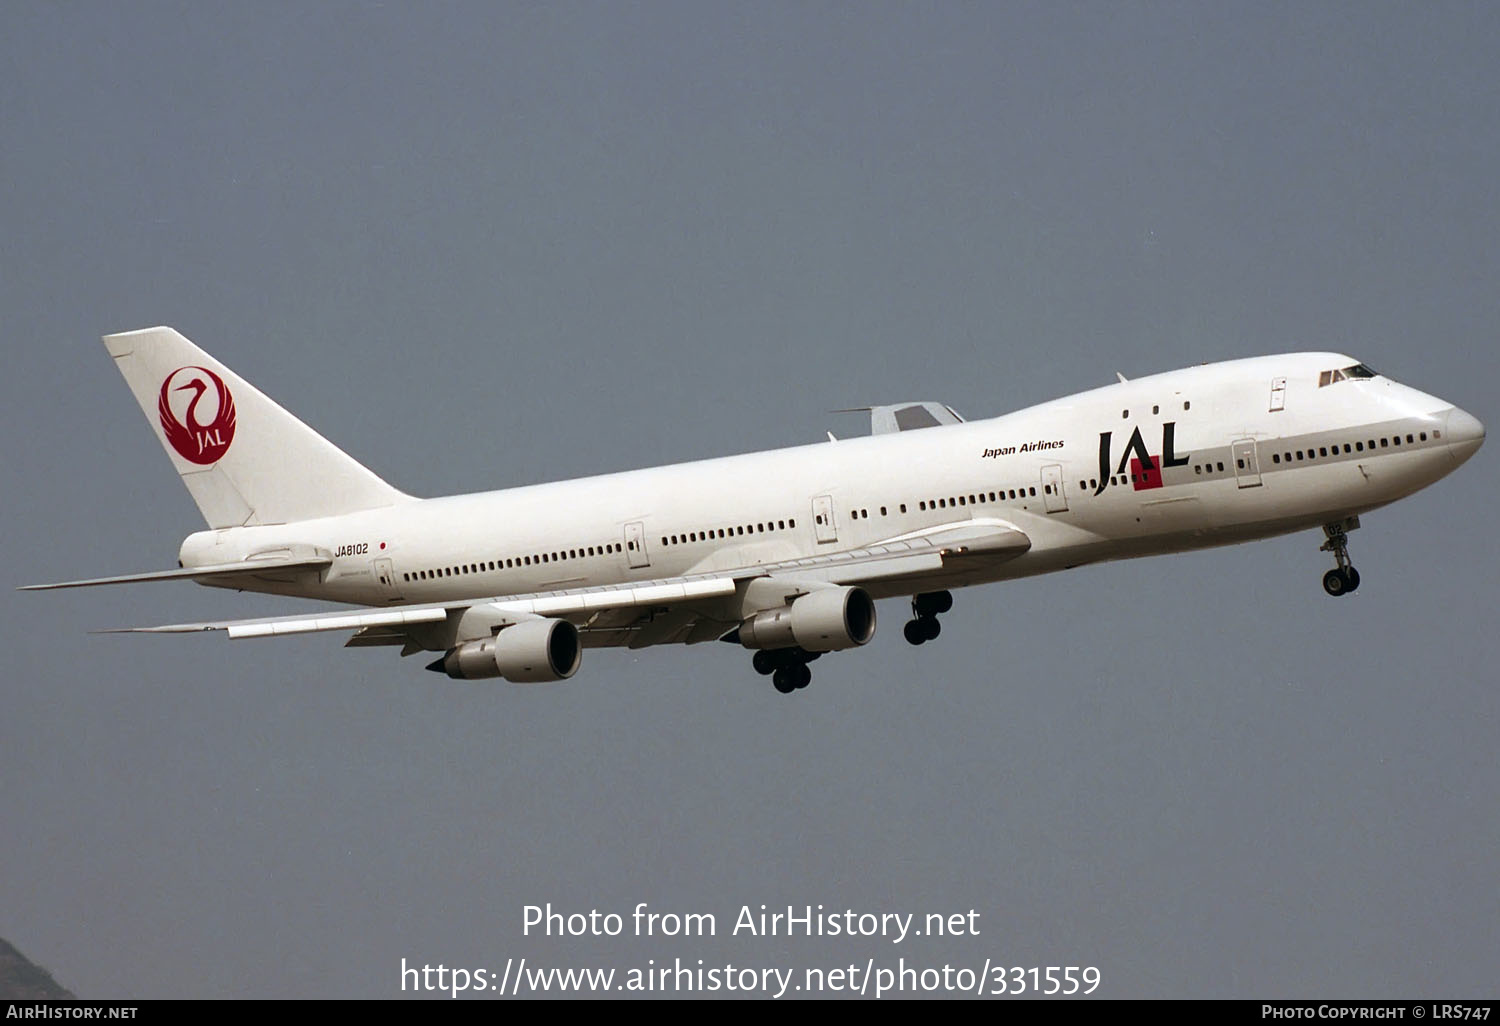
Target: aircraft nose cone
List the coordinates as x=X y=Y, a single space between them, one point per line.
x=1465 y=434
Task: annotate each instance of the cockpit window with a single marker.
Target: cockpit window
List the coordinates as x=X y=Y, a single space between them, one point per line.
x=1359 y=370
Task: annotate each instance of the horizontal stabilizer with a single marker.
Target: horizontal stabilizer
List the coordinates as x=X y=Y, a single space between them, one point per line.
x=252 y=567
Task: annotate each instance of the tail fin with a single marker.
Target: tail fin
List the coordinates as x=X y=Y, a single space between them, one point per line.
x=244 y=459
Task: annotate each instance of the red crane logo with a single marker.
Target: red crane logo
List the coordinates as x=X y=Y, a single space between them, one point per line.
x=194 y=440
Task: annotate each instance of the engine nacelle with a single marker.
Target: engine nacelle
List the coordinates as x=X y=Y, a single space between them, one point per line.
x=825 y=620
x=525 y=653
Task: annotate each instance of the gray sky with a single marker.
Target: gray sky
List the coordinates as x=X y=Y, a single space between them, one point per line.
x=482 y=244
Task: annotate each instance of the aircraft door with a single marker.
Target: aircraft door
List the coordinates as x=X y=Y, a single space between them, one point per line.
x=385 y=576
x=823 y=519
x=1246 y=468
x=635 y=544
x=1052 y=489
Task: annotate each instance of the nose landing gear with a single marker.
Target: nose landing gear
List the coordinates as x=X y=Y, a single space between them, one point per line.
x=1344 y=578
x=924 y=626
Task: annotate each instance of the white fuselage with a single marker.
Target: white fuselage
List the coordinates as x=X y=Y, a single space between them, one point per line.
x=1236 y=450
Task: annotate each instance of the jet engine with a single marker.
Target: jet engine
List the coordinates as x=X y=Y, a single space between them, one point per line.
x=525 y=653
x=824 y=620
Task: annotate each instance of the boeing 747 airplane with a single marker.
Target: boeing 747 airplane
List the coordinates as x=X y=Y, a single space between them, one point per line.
x=782 y=552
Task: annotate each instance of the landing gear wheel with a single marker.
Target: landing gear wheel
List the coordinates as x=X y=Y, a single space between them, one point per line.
x=801 y=675
x=1344 y=578
x=915 y=631
x=931 y=627
x=931 y=603
x=1335 y=583
x=784 y=681
x=764 y=663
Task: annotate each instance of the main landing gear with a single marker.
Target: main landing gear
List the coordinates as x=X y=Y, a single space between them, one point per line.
x=924 y=626
x=787 y=667
x=1342 y=579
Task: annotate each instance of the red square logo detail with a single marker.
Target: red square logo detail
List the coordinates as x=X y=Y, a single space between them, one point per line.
x=1145 y=475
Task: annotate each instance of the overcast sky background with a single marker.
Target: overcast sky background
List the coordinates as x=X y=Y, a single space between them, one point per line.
x=480 y=244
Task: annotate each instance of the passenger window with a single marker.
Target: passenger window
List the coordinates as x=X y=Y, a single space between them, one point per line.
x=791 y=523
x=1240 y=464
x=882 y=511
x=1360 y=446
x=1385 y=443
x=1275 y=457
x=1033 y=490
x=1187 y=405
x=1221 y=468
x=1155 y=410
x=1346 y=447
x=1397 y=439
x=1423 y=436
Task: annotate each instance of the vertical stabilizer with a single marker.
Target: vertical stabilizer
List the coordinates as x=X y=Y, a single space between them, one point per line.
x=244 y=459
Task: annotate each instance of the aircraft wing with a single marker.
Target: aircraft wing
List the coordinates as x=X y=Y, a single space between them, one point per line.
x=691 y=608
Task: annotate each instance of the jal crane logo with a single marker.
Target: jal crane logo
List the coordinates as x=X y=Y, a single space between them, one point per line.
x=195 y=439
